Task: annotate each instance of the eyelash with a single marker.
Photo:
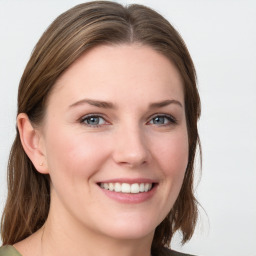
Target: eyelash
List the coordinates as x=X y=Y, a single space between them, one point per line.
x=87 y=117
x=170 y=119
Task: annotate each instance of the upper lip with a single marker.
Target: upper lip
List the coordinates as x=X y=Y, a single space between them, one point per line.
x=128 y=180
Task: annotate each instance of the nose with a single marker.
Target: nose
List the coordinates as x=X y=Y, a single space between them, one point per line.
x=130 y=148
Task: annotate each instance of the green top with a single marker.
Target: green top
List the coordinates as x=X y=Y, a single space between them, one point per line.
x=9 y=250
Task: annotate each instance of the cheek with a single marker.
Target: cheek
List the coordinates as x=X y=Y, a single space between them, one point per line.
x=75 y=154
x=172 y=155
x=172 y=158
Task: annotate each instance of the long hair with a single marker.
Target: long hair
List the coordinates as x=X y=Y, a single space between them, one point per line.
x=74 y=32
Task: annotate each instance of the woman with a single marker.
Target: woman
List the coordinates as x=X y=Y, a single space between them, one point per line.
x=102 y=163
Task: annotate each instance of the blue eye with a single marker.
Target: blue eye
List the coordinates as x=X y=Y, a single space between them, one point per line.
x=162 y=120
x=93 y=120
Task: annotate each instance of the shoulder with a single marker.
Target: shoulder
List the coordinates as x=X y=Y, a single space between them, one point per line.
x=169 y=252
x=8 y=250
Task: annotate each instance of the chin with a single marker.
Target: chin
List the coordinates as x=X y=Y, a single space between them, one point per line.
x=132 y=229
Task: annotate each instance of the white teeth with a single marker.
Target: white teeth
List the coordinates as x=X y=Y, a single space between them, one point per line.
x=117 y=187
x=148 y=186
x=126 y=188
x=111 y=186
x=134 y=188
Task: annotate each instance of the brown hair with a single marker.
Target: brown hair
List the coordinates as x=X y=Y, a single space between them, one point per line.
x=68 y=37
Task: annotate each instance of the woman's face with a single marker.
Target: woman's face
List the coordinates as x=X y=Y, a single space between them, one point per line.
x=115 y=141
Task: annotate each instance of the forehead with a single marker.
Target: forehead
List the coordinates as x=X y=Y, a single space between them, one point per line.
x=115 y=71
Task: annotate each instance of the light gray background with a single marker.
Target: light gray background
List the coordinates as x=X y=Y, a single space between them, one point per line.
x=221 y=37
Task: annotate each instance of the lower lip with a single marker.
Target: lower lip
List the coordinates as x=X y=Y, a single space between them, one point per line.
x=130 y=198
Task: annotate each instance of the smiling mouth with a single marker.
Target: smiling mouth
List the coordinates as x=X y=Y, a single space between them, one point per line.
x=134 y=188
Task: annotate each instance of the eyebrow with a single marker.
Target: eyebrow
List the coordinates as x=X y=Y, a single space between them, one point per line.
x=165 y=103
x=109 y=105
x=96 y=103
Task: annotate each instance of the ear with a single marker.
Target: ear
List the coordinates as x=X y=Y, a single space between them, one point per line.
x=33 y=143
